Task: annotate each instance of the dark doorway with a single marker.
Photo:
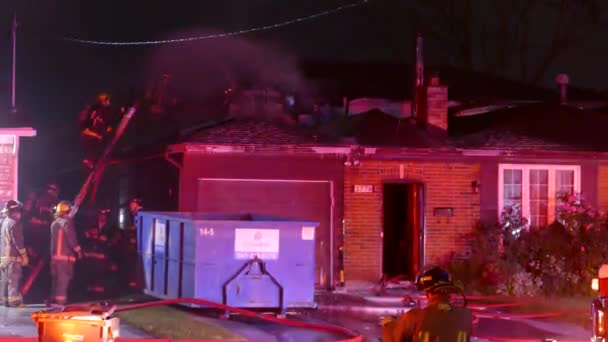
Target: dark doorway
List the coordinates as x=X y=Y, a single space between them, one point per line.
x=403 y=219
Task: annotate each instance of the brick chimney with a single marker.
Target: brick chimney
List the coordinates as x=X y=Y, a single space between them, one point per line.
x=435 y=105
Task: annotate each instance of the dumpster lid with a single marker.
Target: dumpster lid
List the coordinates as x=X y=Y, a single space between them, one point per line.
x=91 y=312
x=223 y=216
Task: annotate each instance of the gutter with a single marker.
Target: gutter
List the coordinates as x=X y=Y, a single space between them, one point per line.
x=383 y=153
x=172 y=161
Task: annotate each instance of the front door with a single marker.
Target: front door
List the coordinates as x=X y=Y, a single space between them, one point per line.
x=403 y=220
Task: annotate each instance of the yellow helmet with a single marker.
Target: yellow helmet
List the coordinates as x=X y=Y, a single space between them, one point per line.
x=63 y=207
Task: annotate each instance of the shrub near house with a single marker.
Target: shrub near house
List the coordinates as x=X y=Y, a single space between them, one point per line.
x=560 y=259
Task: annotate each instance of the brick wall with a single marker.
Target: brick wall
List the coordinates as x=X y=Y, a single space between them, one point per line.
x=603 y=186
x=446 y=185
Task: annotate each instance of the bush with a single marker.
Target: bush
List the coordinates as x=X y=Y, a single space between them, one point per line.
x=519 y=283
x=560 y=259
x=478 y=271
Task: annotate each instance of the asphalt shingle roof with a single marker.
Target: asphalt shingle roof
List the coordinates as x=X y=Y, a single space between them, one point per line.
x=533 y=127
x=258 y=132
x=548 y=127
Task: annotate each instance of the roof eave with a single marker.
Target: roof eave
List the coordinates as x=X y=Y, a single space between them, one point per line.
x=383 y=151
x=219 y=148
x=18 y=131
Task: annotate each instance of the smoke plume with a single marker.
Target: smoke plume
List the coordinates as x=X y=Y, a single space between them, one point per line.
x=201 y=70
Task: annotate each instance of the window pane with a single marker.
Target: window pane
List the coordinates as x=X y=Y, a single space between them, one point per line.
x=534 y=192
x=543 y=176
x=539 y=197
x=564 y=185
x=517 y=174
x=512 y=187
x=508 y=174
x=534 y=176
x=564 y=182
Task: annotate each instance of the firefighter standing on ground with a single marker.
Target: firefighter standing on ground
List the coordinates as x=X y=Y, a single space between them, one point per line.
x=38 y=221
x=131 y=270
x=96 y=255
x=64 y=252
x=439 y=321
x=13 y=255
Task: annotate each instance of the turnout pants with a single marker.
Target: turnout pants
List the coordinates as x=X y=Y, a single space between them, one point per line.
x=133 y=273
x=10 y=276
x=96 y=273
x=61 y=275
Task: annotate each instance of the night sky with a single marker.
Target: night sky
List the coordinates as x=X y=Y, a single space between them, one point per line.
x=56 y=77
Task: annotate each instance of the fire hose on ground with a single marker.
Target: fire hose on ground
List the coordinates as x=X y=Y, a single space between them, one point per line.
x=326 y=328
x=41 y=317
x=353 y=337
x=58 y=317
x=479 y=309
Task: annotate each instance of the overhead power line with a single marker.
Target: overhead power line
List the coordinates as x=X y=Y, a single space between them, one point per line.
x=221 y=35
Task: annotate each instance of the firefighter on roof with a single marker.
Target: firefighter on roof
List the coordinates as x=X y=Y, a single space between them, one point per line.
x=95 y=128
x=13 y=254
x=64 y=251
x=439 y=321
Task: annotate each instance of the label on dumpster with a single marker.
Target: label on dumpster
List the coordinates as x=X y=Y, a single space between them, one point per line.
x=308 y=233
x=159 y=234
x=249 y=243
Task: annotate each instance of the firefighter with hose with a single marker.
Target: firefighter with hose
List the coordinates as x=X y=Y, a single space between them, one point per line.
x=439 y=321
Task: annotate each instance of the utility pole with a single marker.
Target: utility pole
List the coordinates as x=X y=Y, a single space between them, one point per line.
x=14 y=66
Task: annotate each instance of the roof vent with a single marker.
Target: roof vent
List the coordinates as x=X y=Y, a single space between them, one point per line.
x=562 y=80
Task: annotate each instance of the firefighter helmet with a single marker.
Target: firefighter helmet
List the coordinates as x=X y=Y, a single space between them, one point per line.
x=103 y=97
x=12 y=206
x=63 y=207
x=136 y=200
x=435 y=279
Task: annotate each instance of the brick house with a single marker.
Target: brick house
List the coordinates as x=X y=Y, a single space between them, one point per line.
x=396 y=193
x=527 y=154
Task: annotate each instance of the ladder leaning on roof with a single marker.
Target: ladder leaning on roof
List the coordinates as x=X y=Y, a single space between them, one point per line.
x=93 y=178
x=100 y=166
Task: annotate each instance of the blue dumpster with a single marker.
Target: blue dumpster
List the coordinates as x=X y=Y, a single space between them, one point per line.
x=242 y=260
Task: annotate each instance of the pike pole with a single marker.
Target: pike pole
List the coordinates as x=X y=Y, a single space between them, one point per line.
x=102 y=161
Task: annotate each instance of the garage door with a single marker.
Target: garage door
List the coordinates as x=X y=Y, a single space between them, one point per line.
x=293 y=199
